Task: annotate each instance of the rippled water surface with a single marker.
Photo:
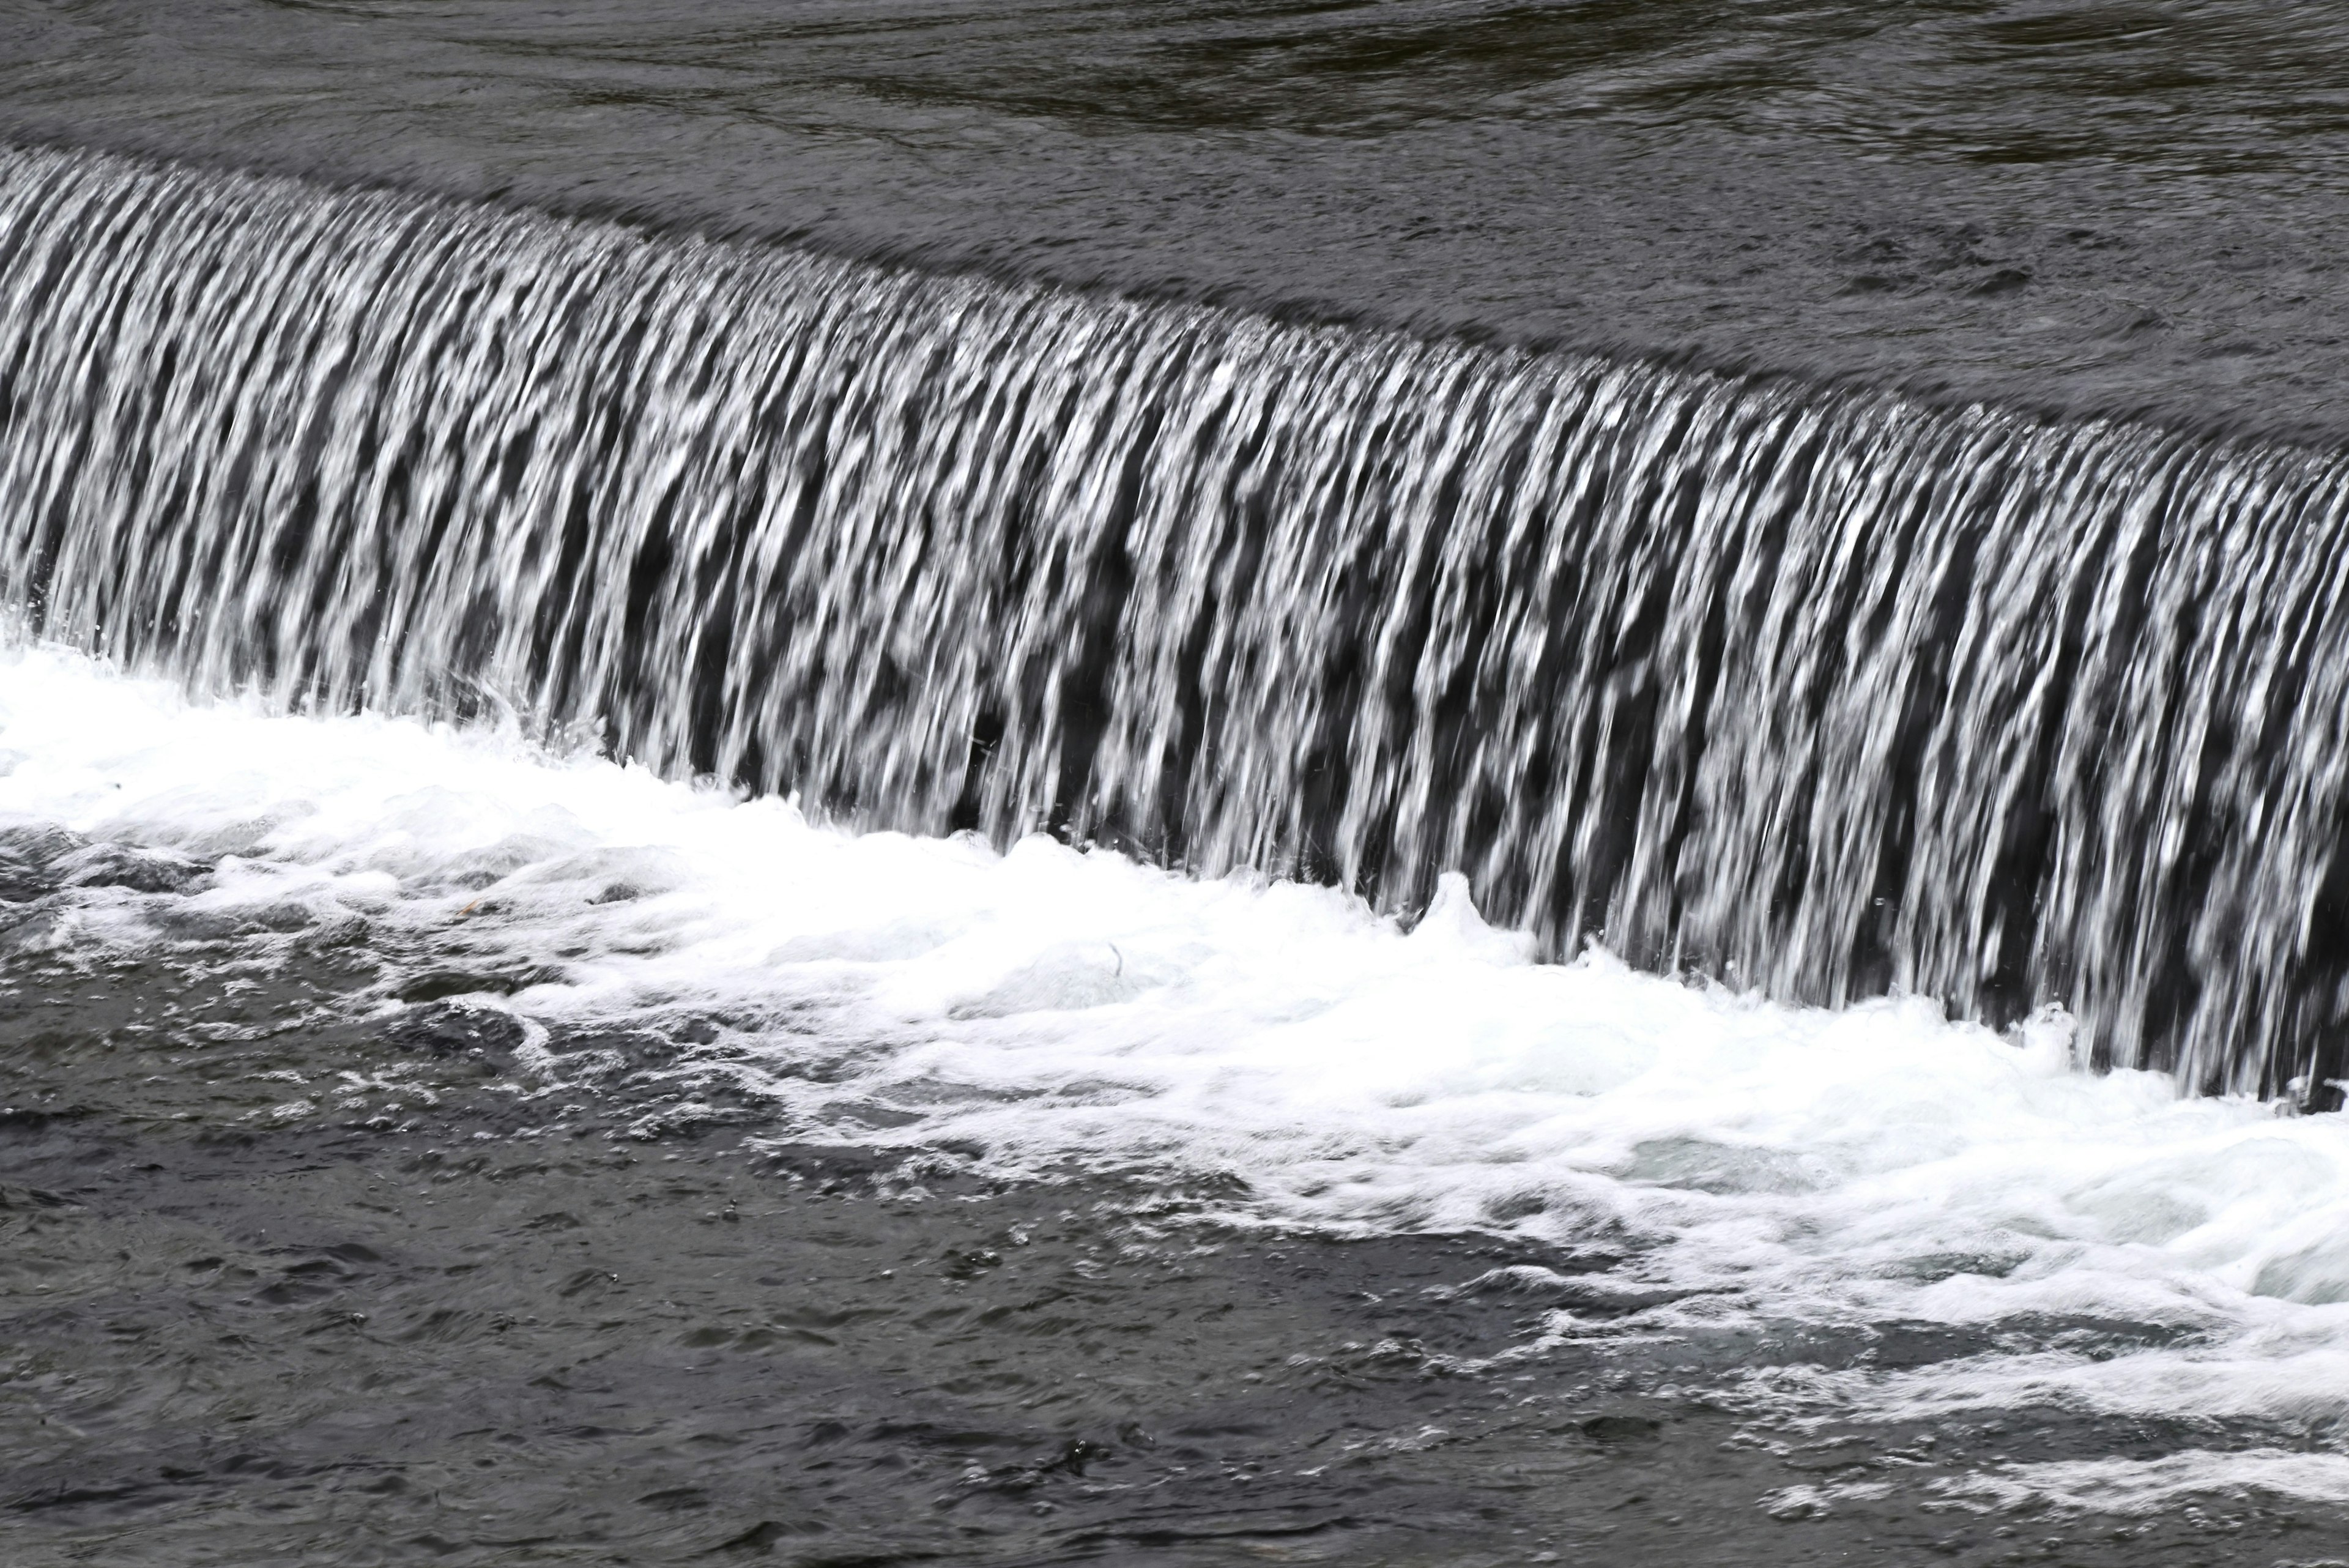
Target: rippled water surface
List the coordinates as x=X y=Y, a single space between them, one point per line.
x=2089 y=206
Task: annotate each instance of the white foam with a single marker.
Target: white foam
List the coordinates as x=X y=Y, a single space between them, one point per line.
x=2151 y=1486
x=2191 y=1481
x=1766 y=1162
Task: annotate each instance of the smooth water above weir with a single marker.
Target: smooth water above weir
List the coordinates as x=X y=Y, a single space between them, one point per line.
x=1823 y=693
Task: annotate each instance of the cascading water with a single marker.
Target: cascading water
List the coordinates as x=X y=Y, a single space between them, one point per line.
x=1825 y=692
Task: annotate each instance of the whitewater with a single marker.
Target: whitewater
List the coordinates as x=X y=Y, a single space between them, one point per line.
x=2120 y=1248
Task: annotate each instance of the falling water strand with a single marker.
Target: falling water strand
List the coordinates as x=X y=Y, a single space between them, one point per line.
x=1823 y=693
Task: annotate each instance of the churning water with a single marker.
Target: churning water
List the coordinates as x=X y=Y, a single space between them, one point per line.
x=2094 y=1246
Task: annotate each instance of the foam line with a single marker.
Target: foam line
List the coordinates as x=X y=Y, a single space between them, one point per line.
x=1755 y=1163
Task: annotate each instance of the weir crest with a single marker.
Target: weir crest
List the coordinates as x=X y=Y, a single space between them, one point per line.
x=1823 y=693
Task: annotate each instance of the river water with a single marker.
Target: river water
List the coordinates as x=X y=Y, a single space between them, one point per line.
x=1152 y=783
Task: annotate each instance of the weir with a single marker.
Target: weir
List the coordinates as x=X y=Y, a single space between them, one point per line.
x=1823 y=693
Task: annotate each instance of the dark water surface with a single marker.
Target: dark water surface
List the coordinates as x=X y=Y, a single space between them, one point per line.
x=463 y=1321
x=2098 y=207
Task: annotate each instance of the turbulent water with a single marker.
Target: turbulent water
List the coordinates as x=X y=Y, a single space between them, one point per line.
x=1829 y=694
x=555 y=1121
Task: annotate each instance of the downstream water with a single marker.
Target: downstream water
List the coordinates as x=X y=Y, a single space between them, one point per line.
x=668 y=882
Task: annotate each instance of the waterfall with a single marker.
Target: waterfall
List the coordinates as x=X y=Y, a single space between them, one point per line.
x=1820 y=692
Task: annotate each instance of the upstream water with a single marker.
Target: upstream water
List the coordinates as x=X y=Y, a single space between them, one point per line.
x=663 y=889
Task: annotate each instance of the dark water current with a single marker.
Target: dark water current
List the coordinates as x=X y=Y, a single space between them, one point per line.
x=2097 y=206
x=1830 y=497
